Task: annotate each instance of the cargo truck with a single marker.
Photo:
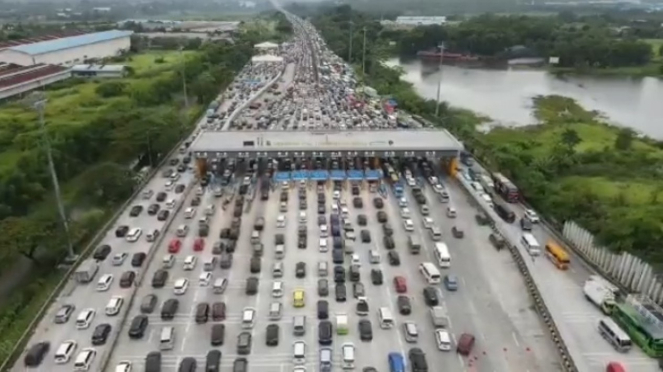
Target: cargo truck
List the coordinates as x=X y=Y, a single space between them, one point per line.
x=86 y=271
x=600 y=293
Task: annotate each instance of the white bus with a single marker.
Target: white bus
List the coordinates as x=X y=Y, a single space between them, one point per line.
x=442 y=255
x=430 y=272
x=614 y=335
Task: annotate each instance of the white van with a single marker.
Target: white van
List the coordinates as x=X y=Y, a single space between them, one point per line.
x=220 y=285
x=167 y=338
x=299 y=352
x=84 y=318
x=277 y=289
x=114 y=305
x=435 y=233
x=275 y=310
x=531 y=244
x=134 y=234
x=168 y=261
x=386 y=318
x=279 y=251
x=443 y=339
x=248 y=317
x=205 y=279
x=190 y=263
x=65 y=351
x=348 y=355
x=84 y=359
x=209 y=264
x=104 y=282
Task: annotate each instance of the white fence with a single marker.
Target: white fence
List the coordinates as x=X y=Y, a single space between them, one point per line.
x=623 y=268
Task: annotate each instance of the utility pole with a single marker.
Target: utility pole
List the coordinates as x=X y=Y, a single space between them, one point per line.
x=350 y=51
x=186 y=97
x=40 y=106
x=439 y=81
x=363 y=57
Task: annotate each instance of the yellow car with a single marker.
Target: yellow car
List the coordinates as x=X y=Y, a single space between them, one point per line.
x=298 y=298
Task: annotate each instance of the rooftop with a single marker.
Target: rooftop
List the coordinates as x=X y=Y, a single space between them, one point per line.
x=69 y=42
x=98 y=68
x=383 y=140
x=12 y=77
x=37 y=39
x=266 y=58
x=266 y=44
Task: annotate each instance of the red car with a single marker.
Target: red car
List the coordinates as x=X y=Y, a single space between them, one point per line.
x=400 y=284
x=198 y=244
x=174 y=246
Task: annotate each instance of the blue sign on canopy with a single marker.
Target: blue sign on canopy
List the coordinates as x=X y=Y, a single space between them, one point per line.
x=319 y=175
x=355 y=175
x=300 y=175
x=373 y=175
x=337 y=175
x=282 y=176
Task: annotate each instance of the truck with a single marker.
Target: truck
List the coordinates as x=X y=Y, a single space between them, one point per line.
x=601 y=293
x=342 y=323
x=362 y=306
x=438 y=316
x=86 y=271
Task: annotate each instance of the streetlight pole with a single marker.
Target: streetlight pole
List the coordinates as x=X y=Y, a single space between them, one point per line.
x=363 y=57
x=439 y=81
x=40 y=106
x=350 y=50
x=186 y=97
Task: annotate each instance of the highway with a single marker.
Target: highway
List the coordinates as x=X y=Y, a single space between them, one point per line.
x=576 y=314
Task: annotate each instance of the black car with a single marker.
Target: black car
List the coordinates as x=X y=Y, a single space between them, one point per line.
x=404 y=306
x=218 y=334
x=339 y=274
x=127 y=279
x=430 y=296
x=159 y=278
x=102 y=252
x=389 y=242
x=300 y=270
x=153 y=209
x=196 y=201
x=138 y=259
x=301 y=242
x=394 y=258
x=161 y=196
x=376 y=276
x=272 y=335
x=323 y=309
x=135 y=210
x=378 y=203
x=179 y=188
x=213 y=361
x=357 y=202
x=382 y=216
x=255 y=265
x=525 y=224
x=365 y=236
x=181 y=168
x=138 y=326
x=325 y=333
x=321 y=209
x=148 y=303
x=341 y=292
x=365 y=330
x=173 y=161
x=418 y=361
x=163 y=215
x=36 y=353
x=362 y=220
x=323 y=287
x=100 y=334
x=121 y=231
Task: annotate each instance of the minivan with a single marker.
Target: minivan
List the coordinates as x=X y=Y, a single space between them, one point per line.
x=167 y=338
x=277 y=289
x=114 y=305
x=65 y=351
x=220 y=285
x=84 y=359
x=84 y=318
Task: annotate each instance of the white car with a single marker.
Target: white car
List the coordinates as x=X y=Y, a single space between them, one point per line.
x=405 y=213
x=438 y=188
x=355 y=260
x=210 y=209
x=175 y=176
x=123 y=366
x=280 y=221
x=433 y=180
x=402 y=202
x=323 y=245
x=411 y=182
x=181 y=285
x=531 y=216
x=205 y=279
x=324 y=231
x=337 y=195
x=147 y=194
x=104 y=282
x=189 y=213
x=169 y=185
x=190 y=263
x=118 y=258
x=134 y=234
x=408 y=225
x=428 y=222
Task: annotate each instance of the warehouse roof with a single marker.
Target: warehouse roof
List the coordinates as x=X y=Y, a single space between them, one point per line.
x=98 y=68
x=266 y=58
x=382 y=140
x=69 y=42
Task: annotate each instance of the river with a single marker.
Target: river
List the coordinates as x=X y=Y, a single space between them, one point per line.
x=505 y=95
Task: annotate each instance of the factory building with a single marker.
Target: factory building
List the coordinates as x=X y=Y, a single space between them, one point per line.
x=68 y=51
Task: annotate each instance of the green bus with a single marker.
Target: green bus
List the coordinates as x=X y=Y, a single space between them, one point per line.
x=643 y=323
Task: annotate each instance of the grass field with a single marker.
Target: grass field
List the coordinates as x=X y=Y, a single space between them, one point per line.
x=558 y=114
x=145 y=63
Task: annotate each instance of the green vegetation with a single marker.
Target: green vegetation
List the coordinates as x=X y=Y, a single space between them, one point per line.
x=571 y=167
x=97 y=128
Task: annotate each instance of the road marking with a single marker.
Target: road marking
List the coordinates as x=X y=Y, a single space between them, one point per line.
x=149 y=338
x=515 y=339
x=461 y=361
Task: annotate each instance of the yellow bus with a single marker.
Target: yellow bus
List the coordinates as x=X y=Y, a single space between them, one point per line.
x=557 y=255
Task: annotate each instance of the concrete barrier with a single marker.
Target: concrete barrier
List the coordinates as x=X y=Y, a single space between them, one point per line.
x=22 y=341
x=564 y=354
x=262 y=90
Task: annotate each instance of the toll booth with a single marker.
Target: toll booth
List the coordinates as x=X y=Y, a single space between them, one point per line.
x=338 y=175
x=300 y=175
x=373 y=175
x=281 y=177
x=319 y=175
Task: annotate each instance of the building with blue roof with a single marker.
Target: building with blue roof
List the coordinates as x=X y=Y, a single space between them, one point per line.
x=69 y=51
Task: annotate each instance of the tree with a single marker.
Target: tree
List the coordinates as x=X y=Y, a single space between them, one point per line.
x=624 y=139
x=570 y=138
x=205 y=87
x=110 y=89
x=106 y=183
x=25 y=235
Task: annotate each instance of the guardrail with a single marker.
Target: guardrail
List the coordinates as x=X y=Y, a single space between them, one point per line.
x=567 y=361
x=262 y=90
x=22 y=341
x=105 y=358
